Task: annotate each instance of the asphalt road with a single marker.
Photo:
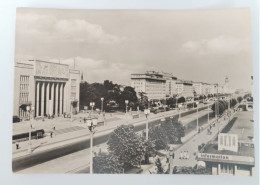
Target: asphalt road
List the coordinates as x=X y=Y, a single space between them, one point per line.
x=47 y=155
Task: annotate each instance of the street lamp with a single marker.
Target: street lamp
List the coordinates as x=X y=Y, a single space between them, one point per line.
x=147 y=112
x=102 y=99
x=92 y=104
x=126 y=102
x=208 y=113
x=71 y=107
x=29 y=109
x=197 y=103
x=176 y=101
x=179 y=106
x=91 y=123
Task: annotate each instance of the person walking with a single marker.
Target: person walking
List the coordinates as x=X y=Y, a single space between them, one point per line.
x=181 y=155
x=17 y=145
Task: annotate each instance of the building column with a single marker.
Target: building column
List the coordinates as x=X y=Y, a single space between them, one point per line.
x=42 y=98
x=52 y=98
x=38 y=99
x=56 y=98
x=47 y=97
x=64 y=98
x=235 y=169
x=61 y=97
x=219 y=168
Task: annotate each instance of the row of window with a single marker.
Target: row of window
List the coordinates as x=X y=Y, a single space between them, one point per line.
x=24 y=88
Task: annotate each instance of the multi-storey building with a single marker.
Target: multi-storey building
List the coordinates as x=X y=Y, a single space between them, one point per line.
x=151 y=83
x=185 y=88
x=170 y=84
x=51 y=88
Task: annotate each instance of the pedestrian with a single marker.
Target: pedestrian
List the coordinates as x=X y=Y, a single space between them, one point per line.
x=188 y=155
x=51 y=134
x=167 y=157
x=17 y=145
x=181 y=155
x=173 y=155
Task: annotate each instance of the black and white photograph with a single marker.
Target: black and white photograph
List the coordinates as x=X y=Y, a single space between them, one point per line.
x=133 y=91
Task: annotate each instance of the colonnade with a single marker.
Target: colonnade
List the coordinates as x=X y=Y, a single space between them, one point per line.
x=49 y=98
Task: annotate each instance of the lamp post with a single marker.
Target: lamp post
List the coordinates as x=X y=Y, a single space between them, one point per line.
x=197 y=103
x=91 y=123
x=147 y=112
x=179 y=106
x=126 y=103
x=102 y=99
x=176 y=101
x=29 y=109
x=208 y=113
x=92 y=104
x=71 y=107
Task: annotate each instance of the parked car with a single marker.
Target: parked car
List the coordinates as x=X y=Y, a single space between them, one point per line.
x=16 y=119
x=160 y=109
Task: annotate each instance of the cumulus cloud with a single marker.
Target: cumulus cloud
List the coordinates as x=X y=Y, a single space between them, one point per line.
x=99 y=70
x=50 y=28
x=218 y=45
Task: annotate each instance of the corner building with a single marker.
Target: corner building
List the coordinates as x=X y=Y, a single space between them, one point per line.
x=51 y=88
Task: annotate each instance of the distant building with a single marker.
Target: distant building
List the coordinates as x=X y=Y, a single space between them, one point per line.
x=51 y=88
x=198 y=87
x=170 y=84
x=151 y=83
x=185 y=89
x=232 y=152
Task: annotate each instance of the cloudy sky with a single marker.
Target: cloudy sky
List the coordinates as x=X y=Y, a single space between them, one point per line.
x=198 y=45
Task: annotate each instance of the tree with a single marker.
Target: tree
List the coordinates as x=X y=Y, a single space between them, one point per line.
x=174 y=130
x=233 y=102
x=106 y=163
x=181 y=100
x=171 y=102
x=159 y=167
x=239 y=99
x=142 y=101
x=149 y=149
x=128 y=94
x=191 y=170
x=158 y=137
x=127 y=146
x=222 y=106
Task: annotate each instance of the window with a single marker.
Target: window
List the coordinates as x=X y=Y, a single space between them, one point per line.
x=24 y=89
x=227 y=168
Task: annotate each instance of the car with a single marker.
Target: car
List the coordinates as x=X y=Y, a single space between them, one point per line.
x=160 y=109
x=16 y=119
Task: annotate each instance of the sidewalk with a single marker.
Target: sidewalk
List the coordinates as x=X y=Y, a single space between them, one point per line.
x=79 y=135
x=190 y=144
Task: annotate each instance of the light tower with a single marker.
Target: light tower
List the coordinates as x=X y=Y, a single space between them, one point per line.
x=226 y=84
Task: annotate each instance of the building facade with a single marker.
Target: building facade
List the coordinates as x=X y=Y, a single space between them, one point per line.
x=231 y=153
x=51 y=88
x=151 y=83
x=170 y=84
x=185 y=89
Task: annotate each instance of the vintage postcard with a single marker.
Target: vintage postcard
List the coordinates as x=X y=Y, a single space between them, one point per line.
x=133 y=92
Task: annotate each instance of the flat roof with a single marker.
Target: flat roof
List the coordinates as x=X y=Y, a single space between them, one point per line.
x=243 y=127
x=244 y=149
